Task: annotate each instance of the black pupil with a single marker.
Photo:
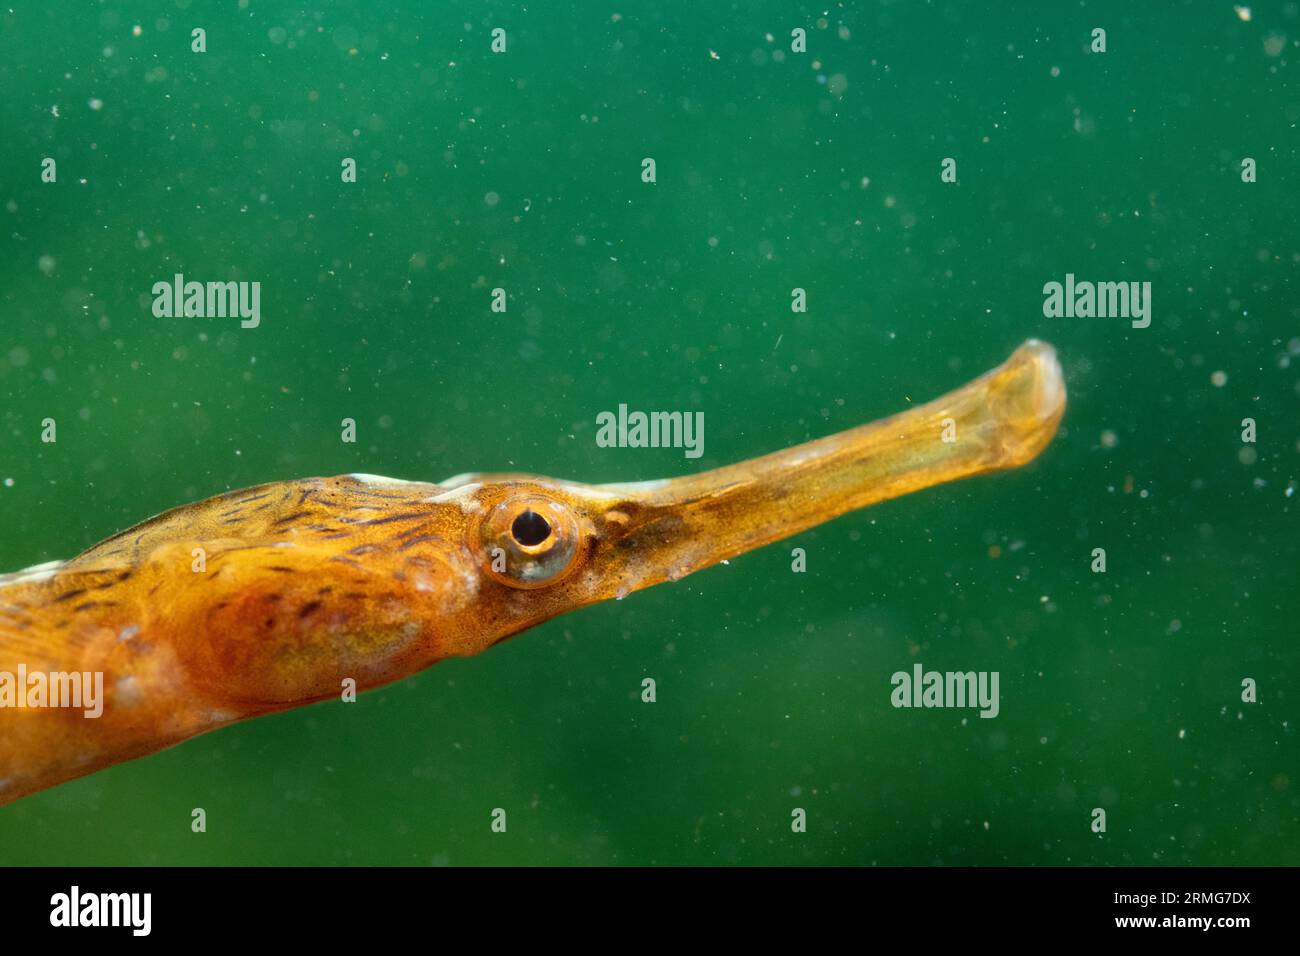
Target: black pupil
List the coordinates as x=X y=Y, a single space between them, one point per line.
x=530 y=528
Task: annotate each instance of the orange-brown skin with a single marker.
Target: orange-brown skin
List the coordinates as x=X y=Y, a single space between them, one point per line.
x=304 y=584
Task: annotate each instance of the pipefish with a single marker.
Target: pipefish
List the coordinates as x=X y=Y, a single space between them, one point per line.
x=271 y=597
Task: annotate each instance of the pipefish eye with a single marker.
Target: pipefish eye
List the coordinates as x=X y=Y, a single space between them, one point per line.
x=529 y=541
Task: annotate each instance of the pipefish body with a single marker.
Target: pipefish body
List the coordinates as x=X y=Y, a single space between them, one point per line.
x=271 y=597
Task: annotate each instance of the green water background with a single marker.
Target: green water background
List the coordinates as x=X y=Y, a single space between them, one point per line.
x=818 y=171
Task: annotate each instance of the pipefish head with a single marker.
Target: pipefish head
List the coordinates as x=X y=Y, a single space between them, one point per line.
x=378 y=578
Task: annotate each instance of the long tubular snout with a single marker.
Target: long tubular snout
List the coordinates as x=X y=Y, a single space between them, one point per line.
x=1001 y=420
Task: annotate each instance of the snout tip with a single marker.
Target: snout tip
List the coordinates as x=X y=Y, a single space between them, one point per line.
x=1048 y=389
